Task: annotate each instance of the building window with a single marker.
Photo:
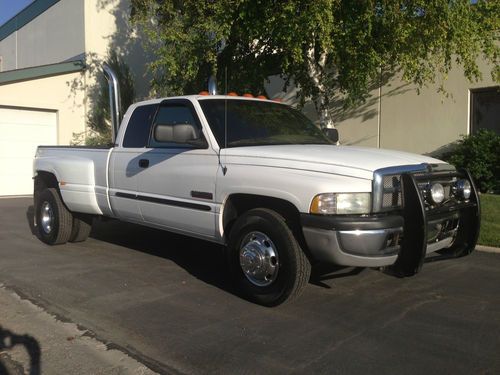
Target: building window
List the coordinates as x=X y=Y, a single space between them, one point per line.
x=485 y=110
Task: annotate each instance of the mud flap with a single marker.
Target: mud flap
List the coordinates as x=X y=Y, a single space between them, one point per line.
x=414 y=243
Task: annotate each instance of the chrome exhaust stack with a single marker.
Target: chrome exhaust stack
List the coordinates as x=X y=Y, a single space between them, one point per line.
x=114 y=99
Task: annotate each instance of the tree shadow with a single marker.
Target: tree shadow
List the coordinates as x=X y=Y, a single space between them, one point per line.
x=9 y=340
x=128 y=42
x=368 y=108
x=340 y=111
x=444 y=151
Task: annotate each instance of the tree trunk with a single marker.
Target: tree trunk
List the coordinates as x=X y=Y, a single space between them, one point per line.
x=316 y=70
x=325 y=119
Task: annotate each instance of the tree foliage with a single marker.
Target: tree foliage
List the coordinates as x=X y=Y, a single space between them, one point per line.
x=325 y=47
x=480 y=154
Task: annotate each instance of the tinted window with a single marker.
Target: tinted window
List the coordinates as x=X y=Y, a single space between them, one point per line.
x=139 y=126
x=173 y=114
x=253 y=123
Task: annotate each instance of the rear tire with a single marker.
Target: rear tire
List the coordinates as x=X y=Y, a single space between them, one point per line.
x=265 y=259
x=53 y=220
x=82 y=225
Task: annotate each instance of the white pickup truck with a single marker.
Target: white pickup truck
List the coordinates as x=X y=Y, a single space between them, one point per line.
x=260 y=178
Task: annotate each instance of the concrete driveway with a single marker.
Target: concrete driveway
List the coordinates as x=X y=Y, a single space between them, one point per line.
x=164 y=299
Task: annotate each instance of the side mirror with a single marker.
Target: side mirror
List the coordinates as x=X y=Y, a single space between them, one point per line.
x=178 y=133
x=331 y=134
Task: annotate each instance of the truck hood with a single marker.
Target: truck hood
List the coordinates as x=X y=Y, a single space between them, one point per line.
x=347 y=160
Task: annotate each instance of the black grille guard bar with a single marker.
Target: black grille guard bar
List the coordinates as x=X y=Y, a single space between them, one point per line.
x=414 y=244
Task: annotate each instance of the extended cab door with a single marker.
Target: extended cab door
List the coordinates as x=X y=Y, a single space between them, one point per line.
x=176 y=186
x=125 y=164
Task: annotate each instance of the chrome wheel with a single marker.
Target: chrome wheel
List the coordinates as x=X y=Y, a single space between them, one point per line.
x=259 y=259
x=47 y=217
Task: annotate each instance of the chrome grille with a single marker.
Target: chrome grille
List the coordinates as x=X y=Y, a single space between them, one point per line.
x=391 y=197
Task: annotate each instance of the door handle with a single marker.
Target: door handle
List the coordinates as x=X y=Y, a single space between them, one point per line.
x=144 y=163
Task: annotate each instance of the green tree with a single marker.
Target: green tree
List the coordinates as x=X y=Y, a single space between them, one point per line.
x=325 y=47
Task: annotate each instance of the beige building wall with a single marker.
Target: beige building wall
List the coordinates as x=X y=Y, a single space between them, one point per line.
x=52 y=93
x=54 y=36
x=8 y=50
x=398 y=117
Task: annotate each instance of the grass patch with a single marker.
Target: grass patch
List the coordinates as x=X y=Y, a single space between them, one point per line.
x=490 y=220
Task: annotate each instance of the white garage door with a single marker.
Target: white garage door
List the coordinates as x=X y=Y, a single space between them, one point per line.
x=21 y=131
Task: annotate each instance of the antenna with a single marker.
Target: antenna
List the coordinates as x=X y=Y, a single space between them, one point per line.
x=225 y=108
x=224 y=168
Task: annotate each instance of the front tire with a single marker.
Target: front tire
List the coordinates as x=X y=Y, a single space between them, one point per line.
x=265 y=259
x=53 y=220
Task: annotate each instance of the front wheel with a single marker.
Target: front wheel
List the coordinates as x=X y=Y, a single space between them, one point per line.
x=266 y=260
x=53 y=220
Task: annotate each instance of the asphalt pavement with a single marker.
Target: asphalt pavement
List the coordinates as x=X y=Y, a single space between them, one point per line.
x=165 y=301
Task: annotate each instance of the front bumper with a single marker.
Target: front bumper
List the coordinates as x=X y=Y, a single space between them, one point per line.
x=353 y=241
x=403 y=238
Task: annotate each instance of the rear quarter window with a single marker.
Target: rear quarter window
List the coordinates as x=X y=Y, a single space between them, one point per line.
x=139 y=126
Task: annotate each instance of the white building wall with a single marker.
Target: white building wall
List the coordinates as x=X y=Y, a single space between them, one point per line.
x=52 y=94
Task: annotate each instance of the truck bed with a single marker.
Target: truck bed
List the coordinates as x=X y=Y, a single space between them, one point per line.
x=77 y=147
x=81 y=173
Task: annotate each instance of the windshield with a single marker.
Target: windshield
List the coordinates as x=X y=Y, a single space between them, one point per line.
x=257 y=123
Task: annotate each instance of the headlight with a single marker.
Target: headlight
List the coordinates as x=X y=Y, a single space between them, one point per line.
x=341 y=203
x=463 y=189
x=437 y=193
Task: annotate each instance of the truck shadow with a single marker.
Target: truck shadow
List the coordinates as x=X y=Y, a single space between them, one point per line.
x=202 y=259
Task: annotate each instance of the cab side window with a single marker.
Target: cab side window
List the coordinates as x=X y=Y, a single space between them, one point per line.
x=139 y=126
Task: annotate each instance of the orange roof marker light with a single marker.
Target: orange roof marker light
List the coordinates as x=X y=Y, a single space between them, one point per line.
x=247 y=95
x=232 y=93
x=204 y=93
x=262 y=97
